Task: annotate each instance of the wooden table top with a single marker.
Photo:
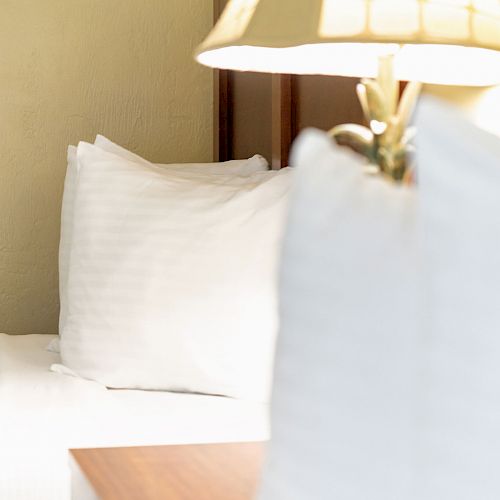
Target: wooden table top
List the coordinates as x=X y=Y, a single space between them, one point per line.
x=180 y=472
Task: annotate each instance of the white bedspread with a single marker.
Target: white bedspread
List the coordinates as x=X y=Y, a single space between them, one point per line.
x=42 y=414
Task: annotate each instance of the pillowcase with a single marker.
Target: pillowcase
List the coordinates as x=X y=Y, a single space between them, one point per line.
x=235 y=167
x=344 y=376
x=387 y=370
x=256 y=163
x=70 y=183
x=459 y=185
x=172 y=279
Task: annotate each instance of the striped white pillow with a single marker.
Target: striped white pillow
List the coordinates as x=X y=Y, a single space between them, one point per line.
x=172 y=277
x=257 y=163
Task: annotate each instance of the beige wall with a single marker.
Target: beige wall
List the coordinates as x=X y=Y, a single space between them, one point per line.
x=68 y=70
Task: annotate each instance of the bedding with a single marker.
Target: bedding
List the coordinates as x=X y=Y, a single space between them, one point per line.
x=344 y=364
x=234 y=167
x=249 y=166
x=390 y=307
x=459 y=183
x=172 y=282
x=42 y=414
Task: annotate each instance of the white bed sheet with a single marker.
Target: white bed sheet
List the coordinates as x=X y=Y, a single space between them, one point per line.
x=43 y=414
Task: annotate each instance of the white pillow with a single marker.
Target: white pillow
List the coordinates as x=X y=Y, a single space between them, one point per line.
x=239 y=167
x=172 y=279
x=459 y=184
x=387 y=371
x=67 y=210
x=344 y=377
x=256 y=163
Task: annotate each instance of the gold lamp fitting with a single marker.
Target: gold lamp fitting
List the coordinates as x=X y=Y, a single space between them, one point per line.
x=387 y=140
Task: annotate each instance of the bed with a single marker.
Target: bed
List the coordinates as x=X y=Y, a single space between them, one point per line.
x=43 y=414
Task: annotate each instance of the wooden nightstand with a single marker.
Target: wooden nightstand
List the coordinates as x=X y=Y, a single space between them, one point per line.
x=183 y=472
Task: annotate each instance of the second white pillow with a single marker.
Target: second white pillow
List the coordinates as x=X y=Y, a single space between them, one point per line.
x=172 y=279
x=234 y=167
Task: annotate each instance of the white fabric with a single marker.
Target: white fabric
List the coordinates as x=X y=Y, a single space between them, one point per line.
x=67 y=209
x=387 y=376
x=43 y=414
x=459 y=182
x=234 y=167
x=345 y=376
x=172 y=280
x=54 y=345
x=256 y=163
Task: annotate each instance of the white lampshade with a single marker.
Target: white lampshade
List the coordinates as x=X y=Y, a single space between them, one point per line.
x=454 y=42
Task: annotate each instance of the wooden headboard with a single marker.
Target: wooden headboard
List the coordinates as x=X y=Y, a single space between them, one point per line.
x=261 y=113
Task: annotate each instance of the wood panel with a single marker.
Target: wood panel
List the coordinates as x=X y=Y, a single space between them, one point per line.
x=260 y=113
x=267 y=112
x=251 y=106
x=326 y=101
x=189 y=472
x=222 y=105
x=223 y=116
x=283 y=118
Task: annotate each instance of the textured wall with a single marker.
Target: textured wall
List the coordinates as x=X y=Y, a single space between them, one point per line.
x=68 y=70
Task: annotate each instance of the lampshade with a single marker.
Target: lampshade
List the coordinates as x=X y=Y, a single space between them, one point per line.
x=454 y=42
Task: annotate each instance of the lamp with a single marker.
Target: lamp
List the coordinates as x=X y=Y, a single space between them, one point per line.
x=453 y=42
